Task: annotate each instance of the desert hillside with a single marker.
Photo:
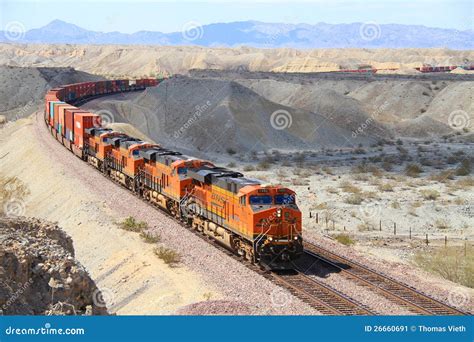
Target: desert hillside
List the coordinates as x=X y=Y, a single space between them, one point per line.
x=244 y=112
x=23 y=88
x=134 y=61
x=219 y=115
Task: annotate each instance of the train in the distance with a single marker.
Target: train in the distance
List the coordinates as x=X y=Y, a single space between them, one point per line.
x=262 y=223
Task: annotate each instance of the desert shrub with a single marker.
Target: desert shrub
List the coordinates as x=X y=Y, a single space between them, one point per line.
x=361 y=168
x=169 y=256
x=263 y=165
x=387 y=166
x=442 y=224
x=464 y=169
x=449 y=263
x=347 y=186
x=361 y=177
x=429 y=195
x=231 y=151
x=465 y=182
x=443 y=176
x=452 y=159
x=399 y=142
x=413 y=170
x=354 y=199
x=328 y=170
x=395 y=205
x=248 y=168
x=344 y=239
x=132 y=225
x=150 y=237
x=385 y=187
x=332 y=190
x=300 y=181
x=231 y=164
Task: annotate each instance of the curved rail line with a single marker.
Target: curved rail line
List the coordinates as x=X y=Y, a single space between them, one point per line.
x=319 y=295
x=397 y=292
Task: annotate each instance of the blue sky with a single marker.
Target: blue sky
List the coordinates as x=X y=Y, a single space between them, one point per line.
x=165 y=16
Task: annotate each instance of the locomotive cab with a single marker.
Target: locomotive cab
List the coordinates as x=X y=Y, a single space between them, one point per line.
x=277 y=225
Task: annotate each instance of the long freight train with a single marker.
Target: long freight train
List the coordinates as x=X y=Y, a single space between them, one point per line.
x=262 y=223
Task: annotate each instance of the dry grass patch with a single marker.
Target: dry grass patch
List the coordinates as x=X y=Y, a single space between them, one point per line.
x=150 y=237
x=132 y=225
x=169 y=256
x=387 y=187
x=430 y=195
x=449 y=263
x=443 y=176
x=347 y=186
x=328 y=170
x=442 y=224
x=413 y=170
x=354 y=199
x=344 y=239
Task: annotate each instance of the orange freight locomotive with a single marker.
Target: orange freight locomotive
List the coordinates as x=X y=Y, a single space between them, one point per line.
x=262 y=223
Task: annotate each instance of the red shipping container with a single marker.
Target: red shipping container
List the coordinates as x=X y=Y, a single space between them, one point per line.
x=69 y=121
x=62 y=121
x=83 y=121
x=56 y=113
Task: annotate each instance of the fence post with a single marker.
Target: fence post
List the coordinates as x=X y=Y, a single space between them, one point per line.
x=445 y=241
x=427 y=239
x=317 y=217
x=410 y=233
x=394 y=228
x=344 y=228
x=310 y=215
x=380 y=225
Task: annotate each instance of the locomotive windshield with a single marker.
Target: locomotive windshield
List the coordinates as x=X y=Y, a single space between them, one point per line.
x=260 y=200
x=284 y=199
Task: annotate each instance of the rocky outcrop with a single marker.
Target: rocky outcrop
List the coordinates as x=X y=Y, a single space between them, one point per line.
x=39 y=274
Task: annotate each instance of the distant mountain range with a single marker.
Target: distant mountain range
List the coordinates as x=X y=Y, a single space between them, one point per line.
x=259 y=34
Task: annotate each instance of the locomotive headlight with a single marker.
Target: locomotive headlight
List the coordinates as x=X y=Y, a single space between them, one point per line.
x=296 y=238
x=279 y=212
x=270 y=238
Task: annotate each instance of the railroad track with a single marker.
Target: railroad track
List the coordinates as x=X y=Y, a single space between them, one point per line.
x=316 y=294
x=399 y=293
x=320 y=296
